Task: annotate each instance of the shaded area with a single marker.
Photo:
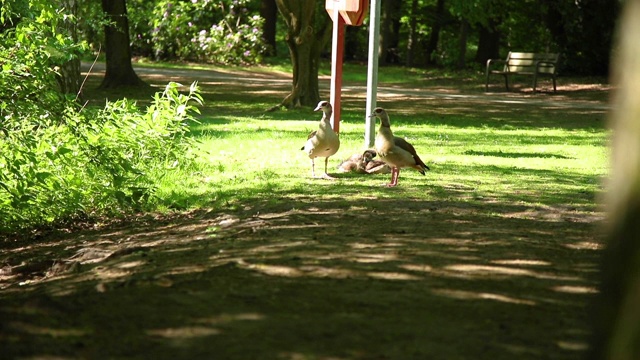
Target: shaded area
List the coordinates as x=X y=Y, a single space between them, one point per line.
x=306 y=278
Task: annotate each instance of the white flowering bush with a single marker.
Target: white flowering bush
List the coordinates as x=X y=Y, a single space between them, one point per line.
x=231 y=43
x=224 y=32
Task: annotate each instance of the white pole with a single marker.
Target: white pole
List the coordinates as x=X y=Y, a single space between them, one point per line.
x=372 y=72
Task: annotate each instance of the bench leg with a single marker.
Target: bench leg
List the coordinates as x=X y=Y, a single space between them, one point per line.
x=486 y=81
x=506 y=82
x=554 y=84
x=535 y=82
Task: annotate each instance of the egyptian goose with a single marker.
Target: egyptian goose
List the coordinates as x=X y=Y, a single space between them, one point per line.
x=323 y=142
x=364 y=164
x=395 y=151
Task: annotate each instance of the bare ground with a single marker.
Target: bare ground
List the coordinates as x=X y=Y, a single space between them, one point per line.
x=303 y=278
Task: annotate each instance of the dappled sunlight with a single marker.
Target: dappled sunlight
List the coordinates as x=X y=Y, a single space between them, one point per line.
x=573 y=345
x=393 y=276
x=575 y=289
x=183 y=332
x=479 y=271
x=522 y=262
x=32 y=329
x=349 y=256
x=470 y=295
x=203 y=327
x=585 y=245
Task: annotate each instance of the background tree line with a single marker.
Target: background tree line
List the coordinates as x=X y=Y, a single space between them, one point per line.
x=420 y=33
x=450 y=33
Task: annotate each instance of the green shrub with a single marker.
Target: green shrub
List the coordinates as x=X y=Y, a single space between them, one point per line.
x=95 y=162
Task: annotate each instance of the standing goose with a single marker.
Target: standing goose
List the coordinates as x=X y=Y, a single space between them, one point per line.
x=323 y=142
x=395 y=151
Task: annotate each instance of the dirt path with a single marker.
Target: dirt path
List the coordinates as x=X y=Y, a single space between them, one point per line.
x=303 y=278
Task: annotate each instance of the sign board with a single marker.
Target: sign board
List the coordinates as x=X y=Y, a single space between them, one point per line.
x=352 y=11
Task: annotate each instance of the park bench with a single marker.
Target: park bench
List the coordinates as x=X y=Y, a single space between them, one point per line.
x=524 y=63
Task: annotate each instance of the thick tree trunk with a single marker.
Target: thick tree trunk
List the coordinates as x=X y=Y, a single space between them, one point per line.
x=461 y=63
x=306 y=37
x=489 y=43
x=598 y=19
x=434 y=36
x=119 y=70
x=617 y=316
x=413 y=35
x=269 y=12
x=390 y=37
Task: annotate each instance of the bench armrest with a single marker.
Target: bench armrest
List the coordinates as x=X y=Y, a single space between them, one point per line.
x=493 y=62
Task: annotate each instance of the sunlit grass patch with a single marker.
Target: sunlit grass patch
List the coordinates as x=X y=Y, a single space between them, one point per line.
x=244 y=158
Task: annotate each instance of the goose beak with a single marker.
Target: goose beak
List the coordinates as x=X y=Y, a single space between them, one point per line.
x=317 y=108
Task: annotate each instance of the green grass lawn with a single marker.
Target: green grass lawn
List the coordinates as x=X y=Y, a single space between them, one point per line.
x=477 y=152
x=546 y=149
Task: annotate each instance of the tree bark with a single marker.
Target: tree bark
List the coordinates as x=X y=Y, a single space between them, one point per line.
x=390 y=37
x=616 y=333
x=432 y=44
x=269 y=12
x=119 y=70
x=412 y=39
x=489 y=43
x=462 y=44
x=306 y=37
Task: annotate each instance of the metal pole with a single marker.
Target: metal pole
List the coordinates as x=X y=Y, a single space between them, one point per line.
x=372 y=72
x=337 y=49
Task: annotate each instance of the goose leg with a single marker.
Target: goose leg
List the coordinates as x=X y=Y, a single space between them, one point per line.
x=313 y=168
x=395 y=172
x=326 y=175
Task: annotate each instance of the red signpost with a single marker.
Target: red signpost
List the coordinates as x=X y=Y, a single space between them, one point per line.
x=349 y=12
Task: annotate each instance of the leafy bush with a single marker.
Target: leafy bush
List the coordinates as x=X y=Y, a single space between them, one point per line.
x=95 y=162
x=227 y=43
x=59 y=161
x=207 y=31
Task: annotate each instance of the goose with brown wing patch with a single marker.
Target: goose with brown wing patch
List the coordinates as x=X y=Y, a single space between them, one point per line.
x=395 y=151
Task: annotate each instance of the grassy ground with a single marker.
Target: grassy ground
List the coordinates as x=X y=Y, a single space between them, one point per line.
x=491 y=255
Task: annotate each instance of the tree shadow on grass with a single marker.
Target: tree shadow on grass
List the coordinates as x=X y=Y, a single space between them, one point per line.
x=309 y=278
x=516 y=155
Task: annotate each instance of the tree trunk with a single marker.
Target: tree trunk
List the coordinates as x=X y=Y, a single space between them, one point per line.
x=462 y=44
x=390 y=37
x=489 y=43
x=432 y=44
x=269 y=12
x=412 y=38
x=69 y=77
x=616 y=333
x=306 y=37
x=118 y=50
x=598 y=19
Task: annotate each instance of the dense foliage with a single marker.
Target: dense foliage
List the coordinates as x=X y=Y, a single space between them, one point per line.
x=220 y=32
x=60 y=161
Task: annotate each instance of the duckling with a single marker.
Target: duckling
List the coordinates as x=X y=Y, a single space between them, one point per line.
x=395 y=151
x=323 y=142
x=364 y=164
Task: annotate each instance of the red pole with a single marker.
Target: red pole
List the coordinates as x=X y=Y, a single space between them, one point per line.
x=337 y=50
